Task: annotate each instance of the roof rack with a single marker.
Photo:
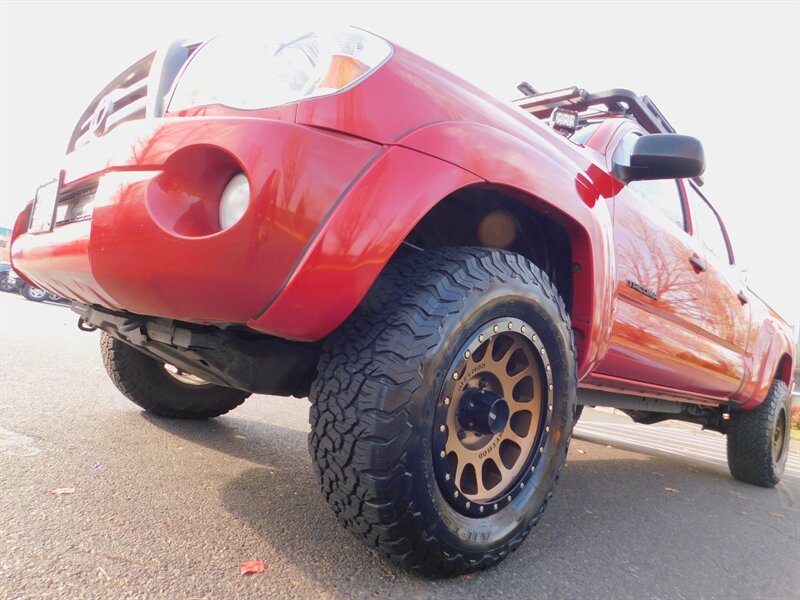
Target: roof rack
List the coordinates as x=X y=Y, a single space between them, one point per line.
x=617 y=101
x=611 y=102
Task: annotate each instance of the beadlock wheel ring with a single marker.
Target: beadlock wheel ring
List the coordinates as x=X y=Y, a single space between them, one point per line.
x=481 y=473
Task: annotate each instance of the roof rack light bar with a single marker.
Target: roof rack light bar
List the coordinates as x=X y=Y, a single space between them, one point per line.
x=617 y=101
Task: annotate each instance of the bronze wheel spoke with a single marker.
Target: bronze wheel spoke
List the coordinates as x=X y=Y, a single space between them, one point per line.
x=519 y=440
x=490 y=352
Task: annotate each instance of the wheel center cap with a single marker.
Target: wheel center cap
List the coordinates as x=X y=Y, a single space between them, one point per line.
x=482 y=411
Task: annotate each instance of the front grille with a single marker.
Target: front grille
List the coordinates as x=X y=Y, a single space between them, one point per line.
x=76 y=202
x=139 y=92
x=124 y=99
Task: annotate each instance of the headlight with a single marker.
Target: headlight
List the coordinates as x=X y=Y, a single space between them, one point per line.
x=235 y=200
x=248 y=75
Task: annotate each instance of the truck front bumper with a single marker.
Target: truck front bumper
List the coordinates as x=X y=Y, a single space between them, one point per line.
x=152 y=244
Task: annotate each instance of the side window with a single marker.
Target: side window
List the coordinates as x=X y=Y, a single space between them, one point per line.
x=662 y=194
x=708 y=225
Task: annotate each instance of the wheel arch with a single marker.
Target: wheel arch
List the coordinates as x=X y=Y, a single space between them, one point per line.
x=496 y=216
x=405 y=186
x=784 y=369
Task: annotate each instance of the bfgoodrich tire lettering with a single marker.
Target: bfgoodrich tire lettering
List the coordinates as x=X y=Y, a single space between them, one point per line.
x=380 y=381
x=145 y=381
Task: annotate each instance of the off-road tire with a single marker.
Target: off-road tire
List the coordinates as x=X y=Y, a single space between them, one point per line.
x=380 y=378
x=145 y=381
x=751 y=452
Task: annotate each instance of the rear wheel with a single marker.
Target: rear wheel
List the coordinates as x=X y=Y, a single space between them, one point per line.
x=34 y=294
x=7 y=284
x=163 y=389
x=758 y=440
x=443 y=409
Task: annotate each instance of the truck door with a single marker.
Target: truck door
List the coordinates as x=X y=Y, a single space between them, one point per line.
x=726 y=322
x=656 y=338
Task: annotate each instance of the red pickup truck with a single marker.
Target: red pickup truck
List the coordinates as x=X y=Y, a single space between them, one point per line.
x=447 y=277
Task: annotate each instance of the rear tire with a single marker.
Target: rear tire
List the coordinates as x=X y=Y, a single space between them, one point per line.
x=6 y=284
x=34 y=294
x=758 y=440
x=382 y=436
x=147 y=383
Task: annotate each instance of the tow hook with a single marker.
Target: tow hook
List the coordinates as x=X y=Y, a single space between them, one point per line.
x=84 y=326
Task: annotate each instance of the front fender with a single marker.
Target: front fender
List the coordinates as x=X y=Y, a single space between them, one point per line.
x=554 y=177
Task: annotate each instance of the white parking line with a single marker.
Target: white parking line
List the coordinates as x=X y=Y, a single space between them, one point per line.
x=691 y=439
x=663 y=440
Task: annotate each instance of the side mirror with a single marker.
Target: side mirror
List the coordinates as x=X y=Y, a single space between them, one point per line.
x=663 y=156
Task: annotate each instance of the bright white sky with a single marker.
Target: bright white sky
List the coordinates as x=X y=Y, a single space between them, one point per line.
x=727 y=73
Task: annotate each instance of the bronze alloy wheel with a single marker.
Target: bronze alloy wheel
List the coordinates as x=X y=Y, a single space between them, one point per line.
x=492 y=418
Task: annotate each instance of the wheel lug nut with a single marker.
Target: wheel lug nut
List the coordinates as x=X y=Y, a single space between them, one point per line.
x=455 y=375
x=522 y=329
x=447 y=401
x=441 y=454
x=522 y=485
x=481 y=338
x=496 y=328
x=510 y=326
x=547 y=428
x=447 y=476
x=467 y=505
x=467 y=354
x=480 y=509
x=509 y=498
x=455 y=494
x=550 y=386
x=461 y=434
x=442 y=428
x=495 y=506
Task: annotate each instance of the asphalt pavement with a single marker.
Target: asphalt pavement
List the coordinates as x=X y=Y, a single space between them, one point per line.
x=98 y=500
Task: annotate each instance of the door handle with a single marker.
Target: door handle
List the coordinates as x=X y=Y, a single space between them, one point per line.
x=698 y=263
x=742 y=297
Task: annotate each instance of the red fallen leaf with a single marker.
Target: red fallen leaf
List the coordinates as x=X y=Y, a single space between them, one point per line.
x=249 y=567
x=671 y=490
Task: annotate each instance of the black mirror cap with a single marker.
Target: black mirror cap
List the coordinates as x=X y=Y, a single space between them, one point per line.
x=664 y=156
